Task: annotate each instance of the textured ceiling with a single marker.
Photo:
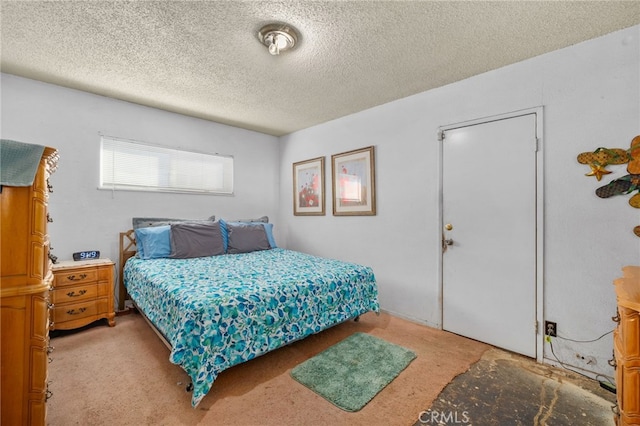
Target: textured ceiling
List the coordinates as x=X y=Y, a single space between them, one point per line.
x=204 y=59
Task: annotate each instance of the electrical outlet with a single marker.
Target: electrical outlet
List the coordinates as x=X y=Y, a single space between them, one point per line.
x=550 y=328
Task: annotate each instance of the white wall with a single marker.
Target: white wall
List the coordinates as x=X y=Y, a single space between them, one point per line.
x=86 y=218
x=591 y=97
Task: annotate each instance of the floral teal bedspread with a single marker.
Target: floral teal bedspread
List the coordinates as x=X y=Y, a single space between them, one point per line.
x=219 y=311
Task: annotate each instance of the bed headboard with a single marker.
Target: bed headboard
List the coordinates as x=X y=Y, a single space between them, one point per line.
x=127 y=250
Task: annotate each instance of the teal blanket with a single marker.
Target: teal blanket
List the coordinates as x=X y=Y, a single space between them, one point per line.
x=219 y=311
x=18 y=162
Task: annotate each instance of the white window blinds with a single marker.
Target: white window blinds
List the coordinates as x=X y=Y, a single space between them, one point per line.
x=130 y=165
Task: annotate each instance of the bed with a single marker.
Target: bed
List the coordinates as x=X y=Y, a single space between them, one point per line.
x=218 y=311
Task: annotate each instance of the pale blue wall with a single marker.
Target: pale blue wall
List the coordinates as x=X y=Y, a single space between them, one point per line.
x=87 y=218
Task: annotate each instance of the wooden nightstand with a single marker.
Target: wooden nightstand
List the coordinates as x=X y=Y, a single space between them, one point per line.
x=82 y=292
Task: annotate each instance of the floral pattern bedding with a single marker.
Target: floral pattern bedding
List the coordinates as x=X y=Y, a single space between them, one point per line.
x=219 y=311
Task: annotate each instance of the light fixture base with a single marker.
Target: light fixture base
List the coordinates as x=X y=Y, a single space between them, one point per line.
x=278 y=37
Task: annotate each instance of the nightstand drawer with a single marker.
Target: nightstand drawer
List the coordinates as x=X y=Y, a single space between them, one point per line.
x=75 y=311
x=73 y=277
x=75 y=294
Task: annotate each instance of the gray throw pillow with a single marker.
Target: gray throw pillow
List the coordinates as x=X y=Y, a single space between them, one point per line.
x=191 y=239
x=245 y=238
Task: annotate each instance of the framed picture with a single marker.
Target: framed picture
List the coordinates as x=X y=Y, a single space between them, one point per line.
x=308 y=187
x=354 y=188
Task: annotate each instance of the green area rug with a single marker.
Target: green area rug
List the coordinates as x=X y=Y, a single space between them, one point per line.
x=350 y=373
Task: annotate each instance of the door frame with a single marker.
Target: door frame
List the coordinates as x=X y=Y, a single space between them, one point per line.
x=539 y=298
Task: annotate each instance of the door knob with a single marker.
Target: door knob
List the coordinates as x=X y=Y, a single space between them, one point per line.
x=448 y=227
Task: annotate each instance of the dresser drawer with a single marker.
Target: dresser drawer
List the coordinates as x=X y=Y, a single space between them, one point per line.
x=75 y=294
x=40 y=313
x=38 y=374
x=37 y=410
x=630 y=398
x=74 y=311
x=630 y=332
x=617 y=345
x=74 y=277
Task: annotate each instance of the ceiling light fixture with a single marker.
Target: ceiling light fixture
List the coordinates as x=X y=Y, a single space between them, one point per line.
x=278 y=37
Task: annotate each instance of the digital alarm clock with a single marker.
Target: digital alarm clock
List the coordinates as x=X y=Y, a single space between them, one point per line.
x=86 y=255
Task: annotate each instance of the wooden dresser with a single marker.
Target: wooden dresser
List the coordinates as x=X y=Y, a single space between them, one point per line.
x=82 y=293
x=626 y=346
x=24 y=297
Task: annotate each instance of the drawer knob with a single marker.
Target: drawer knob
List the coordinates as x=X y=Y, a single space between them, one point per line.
x=74 y=312
x=613 y=363
x=50 y=305
x=49 y=219
x=50 y=349
x=49 y=187
x=73 y=293
x=76 y=277
x=49 y=395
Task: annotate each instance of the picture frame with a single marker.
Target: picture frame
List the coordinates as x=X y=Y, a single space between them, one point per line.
x=308 y=187
x=353 y=176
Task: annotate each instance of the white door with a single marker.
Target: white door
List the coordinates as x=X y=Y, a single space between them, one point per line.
x=489 y=202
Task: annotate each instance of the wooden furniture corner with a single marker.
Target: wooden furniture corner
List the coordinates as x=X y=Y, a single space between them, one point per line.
x=626 y=347
x=25 y=278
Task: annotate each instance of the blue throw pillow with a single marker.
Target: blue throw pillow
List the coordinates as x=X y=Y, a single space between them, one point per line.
x=139 y=238
x=268 y=227
x=153 y=242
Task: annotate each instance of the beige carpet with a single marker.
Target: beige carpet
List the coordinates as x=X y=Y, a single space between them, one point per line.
x=122 y=376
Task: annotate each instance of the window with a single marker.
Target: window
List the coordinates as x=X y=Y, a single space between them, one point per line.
x=130 y=165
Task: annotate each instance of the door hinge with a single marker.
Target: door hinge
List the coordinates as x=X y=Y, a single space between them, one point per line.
x=440 y=135
x=536 y=145
x=536 y=327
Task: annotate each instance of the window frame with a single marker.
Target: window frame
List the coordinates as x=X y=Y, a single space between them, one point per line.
x=163 y=179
